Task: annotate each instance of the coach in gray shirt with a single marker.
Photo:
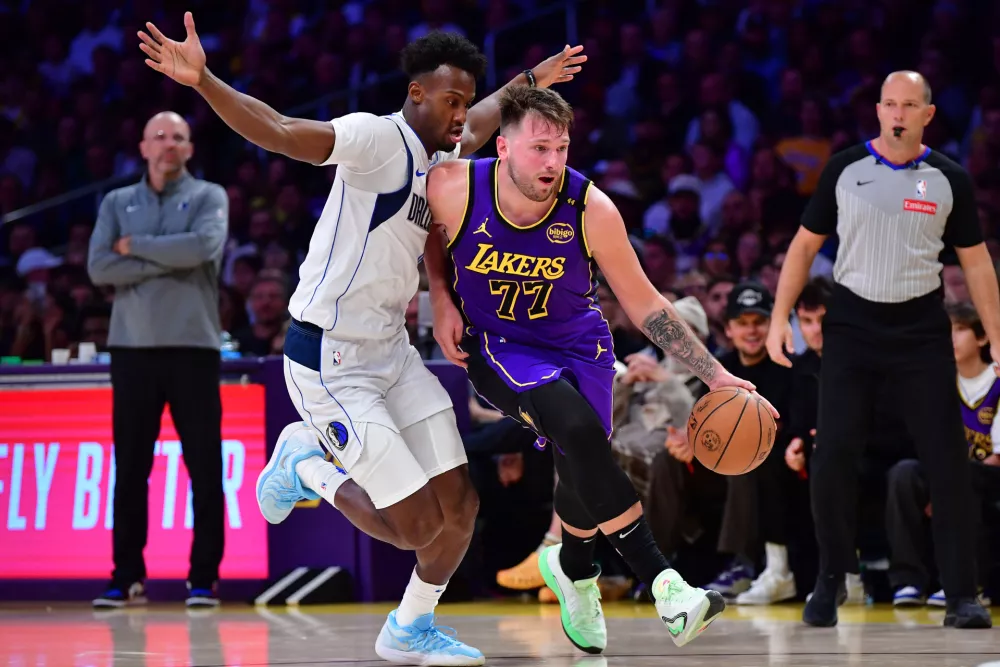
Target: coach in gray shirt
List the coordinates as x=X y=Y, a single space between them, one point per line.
x=894 y=203
x=159 y=243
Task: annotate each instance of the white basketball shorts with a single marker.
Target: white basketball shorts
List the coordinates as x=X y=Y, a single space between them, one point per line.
x=376 y=408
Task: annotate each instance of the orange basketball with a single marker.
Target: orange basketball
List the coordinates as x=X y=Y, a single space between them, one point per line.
x=731 y=430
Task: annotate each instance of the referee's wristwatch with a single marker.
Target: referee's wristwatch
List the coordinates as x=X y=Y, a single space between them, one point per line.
x=530 y=76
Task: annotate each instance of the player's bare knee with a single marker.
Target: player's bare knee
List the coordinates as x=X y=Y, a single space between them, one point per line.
x=460 y=514
x=423 y=522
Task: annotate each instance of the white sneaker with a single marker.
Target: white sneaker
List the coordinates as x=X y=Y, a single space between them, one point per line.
x=855 y=589
x=278 y=485
x=908 y=596
x=685 y=610
x=579 y=603
x=770 y=587
x=424 y=643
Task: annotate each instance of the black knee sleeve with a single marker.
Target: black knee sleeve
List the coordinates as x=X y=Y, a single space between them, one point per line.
x=570 y=508
x=562 y=415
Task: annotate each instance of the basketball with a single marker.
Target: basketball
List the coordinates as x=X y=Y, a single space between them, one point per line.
x=731 y=430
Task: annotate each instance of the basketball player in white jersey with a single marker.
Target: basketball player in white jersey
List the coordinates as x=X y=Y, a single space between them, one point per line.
x=398 y=468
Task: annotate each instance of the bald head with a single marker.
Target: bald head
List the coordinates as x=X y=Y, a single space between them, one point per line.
x=166 y=145
x=909 y=81
x=904 y=110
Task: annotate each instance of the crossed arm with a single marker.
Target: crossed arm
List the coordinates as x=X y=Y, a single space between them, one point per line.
x=121 y=261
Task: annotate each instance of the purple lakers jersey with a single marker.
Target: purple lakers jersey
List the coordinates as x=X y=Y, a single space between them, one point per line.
x=533 y=285
x=978 y=421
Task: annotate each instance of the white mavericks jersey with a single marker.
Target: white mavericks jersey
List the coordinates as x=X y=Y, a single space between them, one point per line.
x=361 y=269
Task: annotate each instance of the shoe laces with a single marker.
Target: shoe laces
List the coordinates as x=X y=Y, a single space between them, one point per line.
x=677 y=590
x=589 y=603
x=285 y=493
x=436 y=638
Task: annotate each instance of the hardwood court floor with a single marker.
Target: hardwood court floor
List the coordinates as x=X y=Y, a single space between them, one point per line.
x=510 y=634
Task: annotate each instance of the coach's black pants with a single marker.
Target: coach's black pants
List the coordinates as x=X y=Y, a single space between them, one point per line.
x=143 y=381
x=906 y=349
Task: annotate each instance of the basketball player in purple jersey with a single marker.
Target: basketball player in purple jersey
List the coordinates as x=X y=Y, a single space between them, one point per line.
x=526 y=236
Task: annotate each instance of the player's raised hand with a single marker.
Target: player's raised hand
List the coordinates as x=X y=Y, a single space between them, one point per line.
x=780 y=342
x=448 y=329
x=560 y=68
x=184 y=62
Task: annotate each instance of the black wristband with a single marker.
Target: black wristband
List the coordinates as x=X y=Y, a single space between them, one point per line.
x=530 y=76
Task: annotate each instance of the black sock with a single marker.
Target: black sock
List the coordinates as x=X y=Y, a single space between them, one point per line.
x=577 y=556
x=636 y=545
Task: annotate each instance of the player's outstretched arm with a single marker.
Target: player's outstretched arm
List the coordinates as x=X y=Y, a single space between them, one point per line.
x=484 y=118
x=647 y=308
x=184 y=62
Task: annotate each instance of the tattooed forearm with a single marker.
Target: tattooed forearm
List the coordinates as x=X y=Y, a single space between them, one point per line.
x=674 y=337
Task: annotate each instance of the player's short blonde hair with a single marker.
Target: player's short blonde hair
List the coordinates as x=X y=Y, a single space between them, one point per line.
x=516 y=102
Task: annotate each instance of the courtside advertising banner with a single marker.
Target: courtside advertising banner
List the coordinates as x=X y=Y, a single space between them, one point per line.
x=57 y=487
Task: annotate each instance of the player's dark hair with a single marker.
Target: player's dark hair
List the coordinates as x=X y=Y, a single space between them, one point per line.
x=441 y=48
x=815 y=294
x=964 y=315
x=516 y=102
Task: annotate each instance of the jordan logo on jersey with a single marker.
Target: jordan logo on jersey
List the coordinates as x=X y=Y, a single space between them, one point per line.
x=482 y=228
x=420 y=213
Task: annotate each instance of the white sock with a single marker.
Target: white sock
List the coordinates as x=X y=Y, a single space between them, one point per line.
x=321 y=476
x=777 y=558
x=549 y=540
x=418 y=600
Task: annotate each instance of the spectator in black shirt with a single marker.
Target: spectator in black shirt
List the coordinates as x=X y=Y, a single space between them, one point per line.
x=755 y=505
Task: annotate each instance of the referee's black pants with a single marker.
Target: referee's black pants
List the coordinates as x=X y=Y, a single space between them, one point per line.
x=906 y=349
x=143 y=381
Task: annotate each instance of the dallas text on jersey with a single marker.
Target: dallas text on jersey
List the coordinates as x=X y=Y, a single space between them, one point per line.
x=420 y=213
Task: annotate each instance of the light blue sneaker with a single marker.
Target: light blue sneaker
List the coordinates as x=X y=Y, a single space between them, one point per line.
x=278 y=485
x=424 y=643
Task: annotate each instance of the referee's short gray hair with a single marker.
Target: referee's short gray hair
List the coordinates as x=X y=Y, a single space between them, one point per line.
x=911 y=75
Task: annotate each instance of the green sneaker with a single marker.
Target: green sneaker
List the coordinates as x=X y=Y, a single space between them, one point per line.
x=685 y=610
x=579 y=603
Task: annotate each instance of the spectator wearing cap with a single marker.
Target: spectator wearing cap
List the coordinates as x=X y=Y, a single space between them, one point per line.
x=681 y=204
x=755 y=509
x=678 y=218
x=33 y=267
x=159 y=243
x=33 y=322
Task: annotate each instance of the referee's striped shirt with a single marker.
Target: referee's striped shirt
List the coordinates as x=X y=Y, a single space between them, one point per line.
x=892 y=220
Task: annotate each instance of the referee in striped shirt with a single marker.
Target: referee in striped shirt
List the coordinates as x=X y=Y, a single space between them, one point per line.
x=894 y=204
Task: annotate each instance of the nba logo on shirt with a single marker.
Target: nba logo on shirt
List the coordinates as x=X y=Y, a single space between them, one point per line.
x=921 y=188
x=336 y=358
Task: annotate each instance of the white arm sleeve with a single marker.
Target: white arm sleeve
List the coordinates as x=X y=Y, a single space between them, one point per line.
x=364 y=142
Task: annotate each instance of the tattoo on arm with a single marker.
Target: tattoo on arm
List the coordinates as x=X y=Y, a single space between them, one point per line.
x=674 y=337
